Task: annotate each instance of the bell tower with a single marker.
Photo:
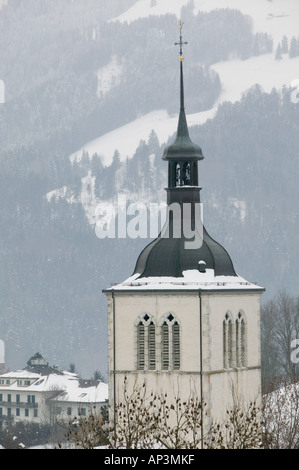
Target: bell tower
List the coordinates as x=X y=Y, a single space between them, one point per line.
x=182 y=155
x=185 y=320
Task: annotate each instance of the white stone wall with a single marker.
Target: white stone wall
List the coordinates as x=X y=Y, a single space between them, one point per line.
x=217 y=383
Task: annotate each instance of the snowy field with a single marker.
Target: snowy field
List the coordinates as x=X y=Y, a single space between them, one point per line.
x=237 y=77
x=277 y=18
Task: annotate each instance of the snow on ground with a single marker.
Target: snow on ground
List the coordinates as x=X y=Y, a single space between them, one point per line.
x=109 y=76
x=237 y=77
x=145 y=8
x=127 y=138
x=277 y=17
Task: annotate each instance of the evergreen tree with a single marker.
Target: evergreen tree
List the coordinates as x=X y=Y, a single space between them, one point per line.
x=294 y=48
x=284 y=45
x=278 y=55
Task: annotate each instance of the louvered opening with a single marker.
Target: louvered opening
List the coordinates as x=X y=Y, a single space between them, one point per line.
x=230 y=344
x=151 y=347
x=165 y=346
x=176 y=346
x=140 y=346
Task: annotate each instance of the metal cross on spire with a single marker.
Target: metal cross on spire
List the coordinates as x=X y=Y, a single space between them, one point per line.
x=181 y=43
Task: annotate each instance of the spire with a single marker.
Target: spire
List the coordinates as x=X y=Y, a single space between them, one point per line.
x=182 y=124
x=168 y=256
x=182 y=147
x=181 y=58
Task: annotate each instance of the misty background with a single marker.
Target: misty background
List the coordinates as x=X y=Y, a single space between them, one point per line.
x=53 y=267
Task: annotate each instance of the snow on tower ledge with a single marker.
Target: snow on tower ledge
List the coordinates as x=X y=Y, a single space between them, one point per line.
x=192 y=280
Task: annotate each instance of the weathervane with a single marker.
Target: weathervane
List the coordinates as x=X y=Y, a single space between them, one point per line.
x=181 y=43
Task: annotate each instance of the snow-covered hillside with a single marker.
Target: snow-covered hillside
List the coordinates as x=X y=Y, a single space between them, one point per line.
x=237 y=77
x=278 y=18
x=275 y=17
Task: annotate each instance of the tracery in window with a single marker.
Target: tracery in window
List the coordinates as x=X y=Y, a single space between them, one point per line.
x=234 y=341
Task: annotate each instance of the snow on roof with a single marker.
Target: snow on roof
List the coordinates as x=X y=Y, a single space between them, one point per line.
x=191 y=280
x=72 y=388
x=95 y=393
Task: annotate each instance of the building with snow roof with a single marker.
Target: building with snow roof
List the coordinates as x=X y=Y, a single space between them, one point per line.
x=43 y=394
x=185 y=322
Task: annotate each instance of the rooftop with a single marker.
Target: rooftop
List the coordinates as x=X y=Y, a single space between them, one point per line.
x=38 y=378
x=191 y=280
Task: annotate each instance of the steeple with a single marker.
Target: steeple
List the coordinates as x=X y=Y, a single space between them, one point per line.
x=182 y=154
x=181 y=58
x=168 y=255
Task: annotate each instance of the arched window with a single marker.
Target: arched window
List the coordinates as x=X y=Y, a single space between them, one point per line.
x=146 y=343
x=170 y=343
x=186 y=174
x=165 y=346
x=140 y=346
x=176 y=346
x=151 y=346
x=241 y=340
x=178 y=175
x=228 y=342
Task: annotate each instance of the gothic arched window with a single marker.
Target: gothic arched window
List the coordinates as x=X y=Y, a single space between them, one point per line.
x=146 y=343
x=140 y=346
x=241 y=340
x=228 y=342
x=165 y=346
x=176 y=356
x=170 y=343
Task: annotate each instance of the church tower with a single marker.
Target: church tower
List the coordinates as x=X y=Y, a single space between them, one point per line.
x=185 y=320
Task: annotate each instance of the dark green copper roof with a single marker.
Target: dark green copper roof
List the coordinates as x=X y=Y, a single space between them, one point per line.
x=169 y=257
x=182 y=147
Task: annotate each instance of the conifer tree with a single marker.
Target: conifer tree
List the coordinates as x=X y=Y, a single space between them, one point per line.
x=294 y=49
x=278 y=55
